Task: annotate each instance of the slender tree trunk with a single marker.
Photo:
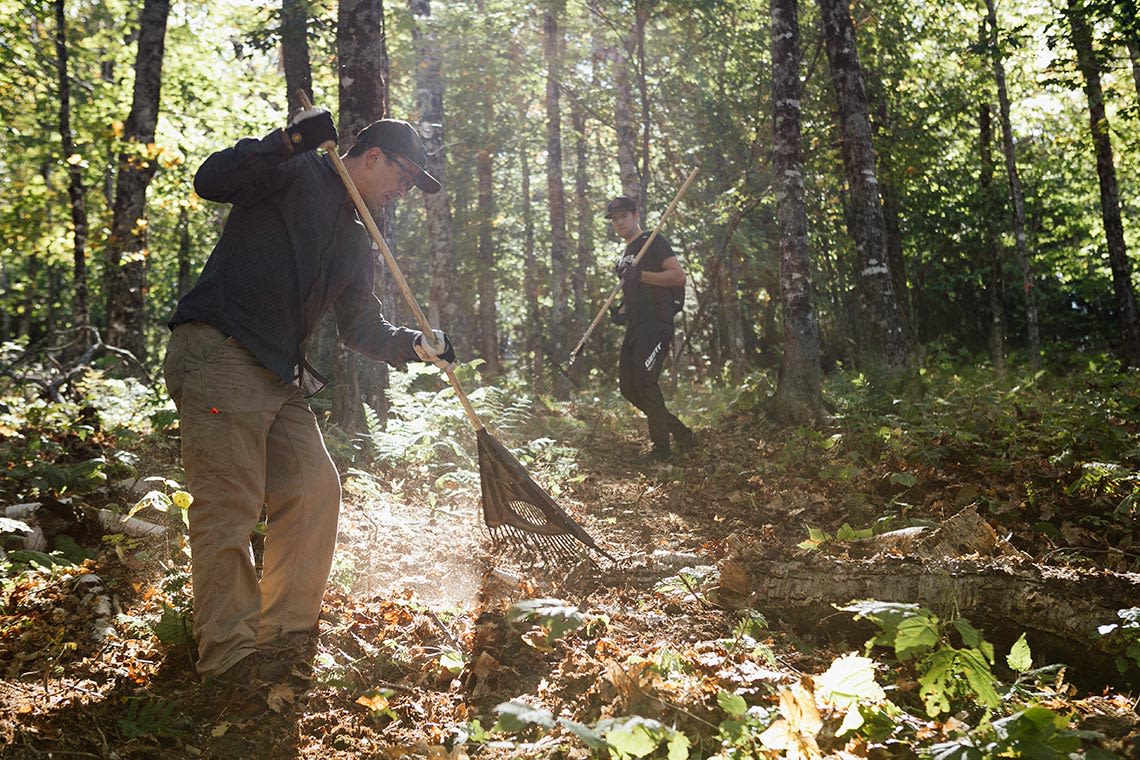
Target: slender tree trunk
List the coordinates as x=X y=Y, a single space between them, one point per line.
x=1017 y=198
x=585 y=246
x=554 y=43
x=891 y=215
x=642 y=8
x=533 y=329
x=1126 y=316
x=125 y=267
x=75 y=190
x=488 y=299
x=882 y=344
x=623 y=123
x=995 y=284
x=295 y=50
x=798 y=398
x=362 y=60
x=444 y=299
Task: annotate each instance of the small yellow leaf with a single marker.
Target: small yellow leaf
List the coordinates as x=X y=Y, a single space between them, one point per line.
x=373 y=702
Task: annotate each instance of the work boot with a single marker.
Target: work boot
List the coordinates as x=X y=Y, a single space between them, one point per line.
x=249 y=670
x=685 y=439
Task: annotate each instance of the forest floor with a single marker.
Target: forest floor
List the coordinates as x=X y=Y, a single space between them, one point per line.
x=423 y=638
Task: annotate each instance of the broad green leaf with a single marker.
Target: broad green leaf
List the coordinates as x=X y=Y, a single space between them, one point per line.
x=849 y=680
x=934 y=685
x=589 y=736
x=972 y=637
x=916 y=635
x=555 y=615
x=978 y=675
x=733 y=704
x=636 y=737
x=678 y=746
x=515 y=716
x=1019 y=659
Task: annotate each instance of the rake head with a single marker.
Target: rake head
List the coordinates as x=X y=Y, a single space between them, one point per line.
x=517 y=510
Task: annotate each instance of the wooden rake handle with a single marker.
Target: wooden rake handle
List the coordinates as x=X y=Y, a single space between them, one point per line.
x=636 y=260
x=397 y=275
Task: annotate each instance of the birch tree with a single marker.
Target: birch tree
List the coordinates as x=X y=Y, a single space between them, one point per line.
x=798 y=398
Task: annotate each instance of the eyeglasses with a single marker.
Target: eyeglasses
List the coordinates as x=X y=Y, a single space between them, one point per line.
x=407 y=176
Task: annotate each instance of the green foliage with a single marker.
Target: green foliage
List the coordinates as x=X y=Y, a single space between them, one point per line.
x=948 y=675
x=1036 y=732
x=1124 y=638
x=556 y=617
x=624 y=737
x=149 y=717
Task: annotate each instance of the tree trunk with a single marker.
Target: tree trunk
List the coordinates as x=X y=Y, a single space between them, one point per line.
x=798 y=398
x=533 y=327
x=125 y=268
x=75 y=189
x=585 y=226
x=488 y=285
x=362 y=60
x=891 y=226
x=295 y=51
x=1059 y=609
x=1082 y=41
x=444 y=299
x=554 y=43
x=641 y=9
x=992 y=247
x=623 y=123
x=1017 y=198
x=882 y=342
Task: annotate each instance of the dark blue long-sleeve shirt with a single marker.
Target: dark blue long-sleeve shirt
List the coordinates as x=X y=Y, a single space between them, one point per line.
x=292 y=247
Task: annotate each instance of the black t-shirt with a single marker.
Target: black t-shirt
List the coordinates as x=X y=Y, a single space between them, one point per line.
x=644 y=302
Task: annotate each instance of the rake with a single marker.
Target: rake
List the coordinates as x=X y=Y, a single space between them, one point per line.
x=516 y=510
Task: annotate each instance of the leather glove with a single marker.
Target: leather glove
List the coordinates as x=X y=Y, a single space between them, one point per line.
x=616 y=314
x=309 y=130
x=441 y=354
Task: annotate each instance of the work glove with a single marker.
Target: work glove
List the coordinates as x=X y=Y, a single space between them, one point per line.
x=629 y=273
x=617 y=316
x=310 y=129
x=444 y=357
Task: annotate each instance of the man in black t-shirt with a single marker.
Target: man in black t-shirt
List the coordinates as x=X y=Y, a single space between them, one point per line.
x=648 y=289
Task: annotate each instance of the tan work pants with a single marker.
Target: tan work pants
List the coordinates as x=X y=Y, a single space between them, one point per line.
x=249 y=439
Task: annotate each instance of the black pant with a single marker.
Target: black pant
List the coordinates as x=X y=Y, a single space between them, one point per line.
x=642 y=357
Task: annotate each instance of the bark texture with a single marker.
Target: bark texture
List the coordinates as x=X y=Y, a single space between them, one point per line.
x=798 y=399
x=295 y=51
x=362 y=57
x=1082 y=41
x=125 y=260
x=75 y=191
x=444 y=300
x=882 y=341
x=553 y=45
x=992 y=248
x=1016 y=196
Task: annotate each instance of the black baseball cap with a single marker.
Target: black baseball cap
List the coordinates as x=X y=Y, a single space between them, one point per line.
x=397 y=136
x=620 y=203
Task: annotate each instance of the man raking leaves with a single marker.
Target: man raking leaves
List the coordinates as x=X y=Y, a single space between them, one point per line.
x=292 y=248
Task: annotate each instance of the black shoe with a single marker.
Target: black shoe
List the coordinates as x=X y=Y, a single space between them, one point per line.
x=656 y=455
x=685 y=439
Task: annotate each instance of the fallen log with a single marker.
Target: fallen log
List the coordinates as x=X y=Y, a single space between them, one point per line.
x=1058 y=608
